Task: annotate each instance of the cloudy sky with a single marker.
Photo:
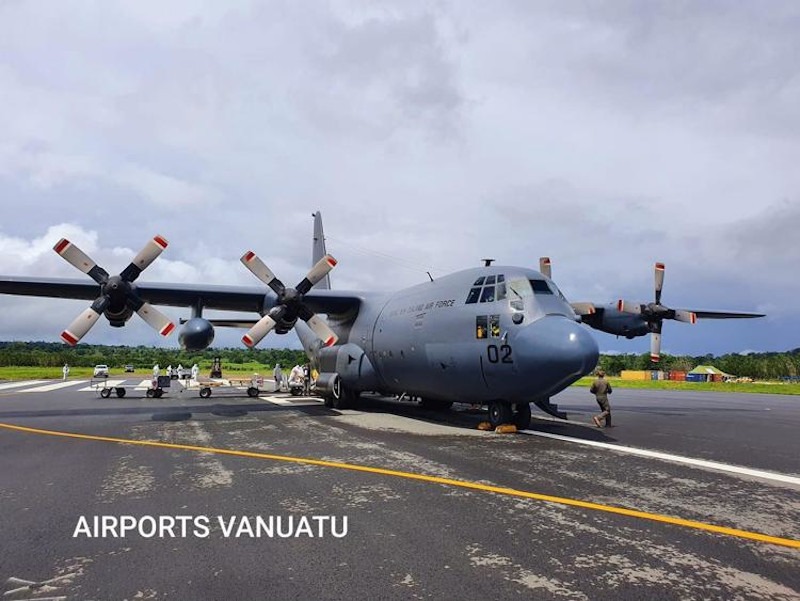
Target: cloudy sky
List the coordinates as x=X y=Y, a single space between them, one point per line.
x=429 y=134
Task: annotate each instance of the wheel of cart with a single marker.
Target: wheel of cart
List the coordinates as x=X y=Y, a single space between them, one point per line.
x=105 y=392
x=205 y=392
x=151 y=392
x=252 y=392
x=120 y=391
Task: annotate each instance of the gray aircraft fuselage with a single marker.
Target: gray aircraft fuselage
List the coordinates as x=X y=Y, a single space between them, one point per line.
x=464 y=337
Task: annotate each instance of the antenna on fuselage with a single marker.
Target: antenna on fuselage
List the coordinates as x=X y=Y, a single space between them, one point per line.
x=487 y=262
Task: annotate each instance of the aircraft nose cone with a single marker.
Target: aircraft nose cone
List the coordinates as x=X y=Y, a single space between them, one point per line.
x=559 y=351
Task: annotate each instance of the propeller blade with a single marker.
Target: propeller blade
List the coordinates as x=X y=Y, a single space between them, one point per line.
x=659 y=277
x=624 y=306
x=156 y=319
x=80 y=260
x=685 y=316
x=544 y=267
x=655 y=347
x=319 y=271
x=254 y=335
x=146 y=256
x=322 y=330
x=583 y=308
x=84 y=322
x=262 y=272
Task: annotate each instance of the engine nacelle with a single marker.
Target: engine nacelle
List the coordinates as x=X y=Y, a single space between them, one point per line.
x=118 y=318
x=352 y=364
x=196 y=334
x=329 y=384
x=613 y=321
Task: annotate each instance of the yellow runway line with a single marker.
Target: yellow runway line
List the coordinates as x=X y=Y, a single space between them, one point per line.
x=511 y=492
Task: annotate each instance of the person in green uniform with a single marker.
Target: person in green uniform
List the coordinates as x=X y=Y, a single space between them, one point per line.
x=601 y=389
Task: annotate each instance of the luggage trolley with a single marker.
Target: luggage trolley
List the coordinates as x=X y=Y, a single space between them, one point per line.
x=157 y=386
x=255 y=385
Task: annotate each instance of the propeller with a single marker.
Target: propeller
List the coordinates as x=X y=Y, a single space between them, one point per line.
x=580 y=308
x=290 y=303
x=544 y=267
x=118 y=298
x=655 y=313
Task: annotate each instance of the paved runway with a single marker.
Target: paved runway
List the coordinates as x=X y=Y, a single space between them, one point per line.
x=489 y=535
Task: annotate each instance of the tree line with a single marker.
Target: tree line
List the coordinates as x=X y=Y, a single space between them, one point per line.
x=761 y=366
x=55 y=354
x=772 y=365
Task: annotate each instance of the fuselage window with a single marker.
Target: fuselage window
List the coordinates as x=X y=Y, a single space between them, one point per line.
x=479 y=281
x=474 y=294
x=487 y=296
x=540 y=287
x=490 y=280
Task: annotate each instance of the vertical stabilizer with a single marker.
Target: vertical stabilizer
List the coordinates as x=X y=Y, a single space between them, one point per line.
x=318 y=250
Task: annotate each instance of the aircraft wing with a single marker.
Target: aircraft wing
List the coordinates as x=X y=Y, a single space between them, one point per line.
x=724 y=314
x=223 y=298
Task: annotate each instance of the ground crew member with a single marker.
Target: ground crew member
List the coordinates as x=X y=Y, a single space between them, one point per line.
x=65 y=371
x=195 y=371
x=278 y=375
x=601 y=389
x=156 y=371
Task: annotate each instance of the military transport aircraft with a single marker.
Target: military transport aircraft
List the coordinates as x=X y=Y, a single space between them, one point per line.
x=496 y=335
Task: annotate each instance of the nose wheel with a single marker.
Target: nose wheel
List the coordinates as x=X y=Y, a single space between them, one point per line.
x=501 y=412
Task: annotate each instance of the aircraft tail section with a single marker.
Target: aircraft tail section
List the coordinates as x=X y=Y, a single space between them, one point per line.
x=318 y=251
x=312 y=344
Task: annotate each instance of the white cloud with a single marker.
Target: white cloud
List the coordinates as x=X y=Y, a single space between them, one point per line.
x=438 y=134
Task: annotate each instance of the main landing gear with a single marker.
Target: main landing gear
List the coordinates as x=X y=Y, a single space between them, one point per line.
x=501 y=412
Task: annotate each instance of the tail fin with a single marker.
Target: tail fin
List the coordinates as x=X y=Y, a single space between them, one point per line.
x=318 y=250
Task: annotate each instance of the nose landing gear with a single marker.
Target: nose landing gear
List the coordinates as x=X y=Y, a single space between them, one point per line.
x=502 y=412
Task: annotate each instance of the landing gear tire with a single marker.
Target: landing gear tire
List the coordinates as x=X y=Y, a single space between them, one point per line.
x=522 y=416
x=120 y=392
x=252 y=392
x=205 y=392
x=435 y=405
x=499 y=413
x=105 y=393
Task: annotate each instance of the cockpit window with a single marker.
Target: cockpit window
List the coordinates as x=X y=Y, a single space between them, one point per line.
x=484 y=291
x=540 y=287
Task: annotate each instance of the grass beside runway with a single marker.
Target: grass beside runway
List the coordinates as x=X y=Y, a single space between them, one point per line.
x=769 y=387
x=248 y=369
x=26 y=372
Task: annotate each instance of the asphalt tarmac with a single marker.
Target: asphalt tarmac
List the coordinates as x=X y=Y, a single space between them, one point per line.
x=450 y=512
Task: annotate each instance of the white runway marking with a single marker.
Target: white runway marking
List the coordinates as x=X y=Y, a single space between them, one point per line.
x=56 y=386
x=20 y=384
x=714 y=465
x=143 y=385
x=299 y=402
